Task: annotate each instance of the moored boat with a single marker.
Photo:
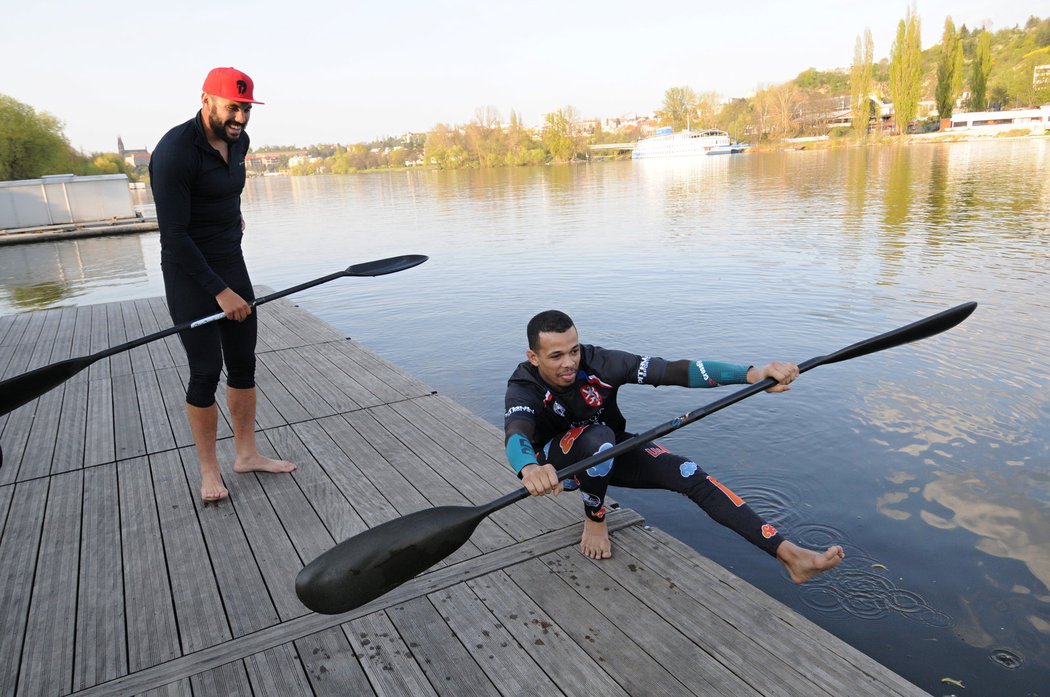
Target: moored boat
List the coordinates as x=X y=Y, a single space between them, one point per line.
x=685 y=144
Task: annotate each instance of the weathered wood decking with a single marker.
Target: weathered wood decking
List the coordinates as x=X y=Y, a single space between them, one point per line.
x=115 y=579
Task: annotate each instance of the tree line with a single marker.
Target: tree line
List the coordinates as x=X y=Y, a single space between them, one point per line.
x=993 y=70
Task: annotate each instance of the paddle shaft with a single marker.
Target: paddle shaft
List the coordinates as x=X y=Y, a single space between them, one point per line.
x=16 y=391
x=934 y=324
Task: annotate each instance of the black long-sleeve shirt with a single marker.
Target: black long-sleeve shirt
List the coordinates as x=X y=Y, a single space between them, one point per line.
x=198 y=197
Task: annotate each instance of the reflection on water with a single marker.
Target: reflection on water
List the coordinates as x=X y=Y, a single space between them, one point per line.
x=51 y=274
x=928 y=462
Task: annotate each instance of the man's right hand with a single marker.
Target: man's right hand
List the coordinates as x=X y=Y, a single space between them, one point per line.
x=541 y=480
x=233 y=305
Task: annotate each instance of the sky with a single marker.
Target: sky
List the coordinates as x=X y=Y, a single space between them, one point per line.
x=348 y=71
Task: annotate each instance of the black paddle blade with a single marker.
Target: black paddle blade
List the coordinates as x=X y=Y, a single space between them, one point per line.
x=922 y=329
x=16 y=391
x=381 y=267
x=367 y=565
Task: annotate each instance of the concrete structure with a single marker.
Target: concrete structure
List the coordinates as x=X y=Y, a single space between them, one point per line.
x=989 y=122
x=64 y=199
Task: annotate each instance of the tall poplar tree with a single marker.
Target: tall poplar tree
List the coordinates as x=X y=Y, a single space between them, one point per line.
x=982 y=66
x=949 y=70
x=906 y=70
x=861 y=79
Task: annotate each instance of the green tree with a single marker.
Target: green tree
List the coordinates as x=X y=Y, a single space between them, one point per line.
x=559 y=135
x=31 y=143
x=679 y=109
x=906 y=70
x=949 y=70
x=979 y=71
x=861 y=83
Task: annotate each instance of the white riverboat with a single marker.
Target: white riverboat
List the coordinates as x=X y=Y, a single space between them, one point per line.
x=686 y=144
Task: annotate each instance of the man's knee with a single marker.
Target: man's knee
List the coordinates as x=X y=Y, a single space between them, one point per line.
x=200 y=392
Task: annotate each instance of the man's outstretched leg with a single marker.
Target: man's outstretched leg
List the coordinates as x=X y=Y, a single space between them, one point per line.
x=242 y=412
x=804 y=564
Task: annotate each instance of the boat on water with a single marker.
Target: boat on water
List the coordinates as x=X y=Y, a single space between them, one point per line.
x=686 y=143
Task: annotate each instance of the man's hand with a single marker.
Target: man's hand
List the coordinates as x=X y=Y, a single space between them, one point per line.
x=783 y=373
x=541 y=480
x=233 y=305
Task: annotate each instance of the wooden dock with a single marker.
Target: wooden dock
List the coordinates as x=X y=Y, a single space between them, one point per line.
x=115 y=579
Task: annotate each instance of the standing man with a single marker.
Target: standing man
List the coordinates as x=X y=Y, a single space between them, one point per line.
x=561 y=407
x=197 y=174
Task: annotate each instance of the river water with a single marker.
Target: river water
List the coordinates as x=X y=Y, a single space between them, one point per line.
x=928 y=462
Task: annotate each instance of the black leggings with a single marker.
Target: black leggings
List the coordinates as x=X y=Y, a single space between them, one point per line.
x=652 y=466
x=209 y=345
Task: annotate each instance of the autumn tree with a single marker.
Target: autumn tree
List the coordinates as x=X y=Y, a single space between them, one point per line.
x=979 y=71
x=949 y=70
x=679 y=109
x=861 y=83
x=906 y=70
x=559 y=135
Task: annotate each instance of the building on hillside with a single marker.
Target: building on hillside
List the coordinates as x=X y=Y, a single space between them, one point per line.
x=1037 y=121
x=133 y=158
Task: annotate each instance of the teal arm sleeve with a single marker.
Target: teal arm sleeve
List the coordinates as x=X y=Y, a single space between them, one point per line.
x=714 y=373
x=520 y=452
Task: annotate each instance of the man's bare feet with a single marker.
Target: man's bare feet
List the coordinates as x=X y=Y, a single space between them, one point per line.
x=212 y=488
x=595 y=542
x=261 y=463
x=804 y=564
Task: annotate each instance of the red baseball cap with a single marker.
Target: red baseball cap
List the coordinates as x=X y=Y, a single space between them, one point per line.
x=230 y=83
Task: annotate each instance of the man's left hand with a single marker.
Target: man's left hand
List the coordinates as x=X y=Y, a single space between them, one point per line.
x=783 y=373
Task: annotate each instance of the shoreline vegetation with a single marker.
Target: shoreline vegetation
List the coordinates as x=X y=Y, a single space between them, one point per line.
x=907 y=97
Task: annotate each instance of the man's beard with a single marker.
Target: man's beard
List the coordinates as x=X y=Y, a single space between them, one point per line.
x=218 y=127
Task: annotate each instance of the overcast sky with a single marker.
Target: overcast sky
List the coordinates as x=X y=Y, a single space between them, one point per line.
x=349 y=71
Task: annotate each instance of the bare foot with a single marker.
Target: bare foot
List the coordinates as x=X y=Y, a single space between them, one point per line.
x=212 y=488
x=595 y=542
x=804 y=564
x=261 y=463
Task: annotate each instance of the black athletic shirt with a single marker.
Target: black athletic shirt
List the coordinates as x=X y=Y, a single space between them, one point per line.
x=590 y=399
x=198 y=199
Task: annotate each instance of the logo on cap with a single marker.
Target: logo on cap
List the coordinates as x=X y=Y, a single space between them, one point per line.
x=242 y=87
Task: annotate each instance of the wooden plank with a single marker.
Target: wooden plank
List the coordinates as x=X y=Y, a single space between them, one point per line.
x=159 y=354
x=19 y=546
x=99 y=341
x=47 y=651
x=80 y=344
x=267 y=539
x=40 y=445
x=230 y=680
x=297 y=514
x=254 y=642
x=176 y=689
x=129 y=439
x=23 y=350
x=539 y=636
x=623 y=658
x=326 y=384
x=377 y=385
x=436 y=649
x=277 y=672
x=139 y=356
x=492 y=644
x=289 y=409
x=388 y=662
x=331 y=665
x=62 y=344
x=654 y=634
x=157 y=433
x=244 y=595
x=71 y=439
x=119 y=363
x=316 y=406
x=368 y=362
x=100 y=648
x=152 y=630
x=734 y=593
x=99 y=445
x=198 y=606
x=15 y=436
x=335 y=374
